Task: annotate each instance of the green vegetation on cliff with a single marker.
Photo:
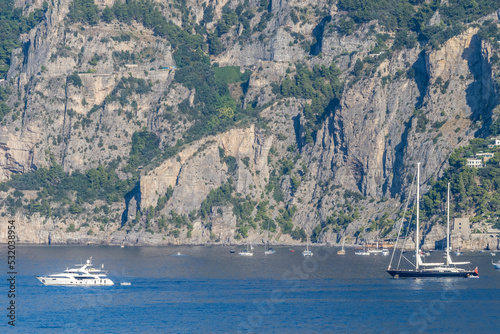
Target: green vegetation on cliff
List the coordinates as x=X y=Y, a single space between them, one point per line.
x=12 y=24
x=411 y=17
x=474 y=191
x=322 y=85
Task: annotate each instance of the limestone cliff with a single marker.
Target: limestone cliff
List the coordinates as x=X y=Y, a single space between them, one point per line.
x=76 y=102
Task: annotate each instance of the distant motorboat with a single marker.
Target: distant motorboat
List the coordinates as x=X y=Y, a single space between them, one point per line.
x=493 y=254
x=291 y=250
x=496 y=265
x=232 y=251
x=385 y=252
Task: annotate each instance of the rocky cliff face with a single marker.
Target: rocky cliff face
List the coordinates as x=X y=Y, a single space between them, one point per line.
x=414 y=106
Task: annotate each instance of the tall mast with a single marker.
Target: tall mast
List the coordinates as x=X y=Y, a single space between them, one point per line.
x=417 y=255
x=448 y=229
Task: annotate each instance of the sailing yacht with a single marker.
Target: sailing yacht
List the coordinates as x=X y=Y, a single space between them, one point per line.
x=376 y=250
x=432 y=269
x=269 y=250
x=247 y=252
x=363 y=252
x=342 y=251
x=307 y=252
x=83 y=275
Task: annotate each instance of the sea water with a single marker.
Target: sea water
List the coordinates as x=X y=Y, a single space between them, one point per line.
x=210 y=290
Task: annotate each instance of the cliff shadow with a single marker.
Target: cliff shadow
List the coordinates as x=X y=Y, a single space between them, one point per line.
x=135 y=193
x=481 y=96
x=26 y=52
x=317 y=32
x=399 y=155
x=421 y=77
x=297 y=130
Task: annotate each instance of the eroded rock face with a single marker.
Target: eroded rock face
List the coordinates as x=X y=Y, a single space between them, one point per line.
x=17 y=152
x=199 y=169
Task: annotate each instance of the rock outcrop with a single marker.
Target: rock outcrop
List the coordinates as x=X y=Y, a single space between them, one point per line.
x=402 y=107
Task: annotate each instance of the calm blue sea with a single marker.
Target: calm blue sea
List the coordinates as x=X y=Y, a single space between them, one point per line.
x=210 y=290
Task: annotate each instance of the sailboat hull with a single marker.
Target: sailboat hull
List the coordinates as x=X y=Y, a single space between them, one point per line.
x=429 y=273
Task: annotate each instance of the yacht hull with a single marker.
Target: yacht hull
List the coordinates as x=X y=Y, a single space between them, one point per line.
x=74 y=281
x=425 y=274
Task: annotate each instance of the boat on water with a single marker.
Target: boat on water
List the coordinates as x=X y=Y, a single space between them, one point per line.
x=247 y=252
x=385 y=252
x=125 y=283
x=269 y=250
x=83 y=275
x=363 y=252
x=342 y=251
x=307 y=252
x=422 y=269
x=493 y=254
x=496 y=265
x=375 y=250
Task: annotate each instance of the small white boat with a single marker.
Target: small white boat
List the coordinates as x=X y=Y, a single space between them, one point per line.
x=496 y=265
x=125 y=283
x=385 y=252
x=246 y=252
x=493 y=254
x=362 y=252
x=307 y=252
x=269 y=250
x=83 y=275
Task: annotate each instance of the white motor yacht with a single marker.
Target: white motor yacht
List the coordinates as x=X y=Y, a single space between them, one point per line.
x=83 y=275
